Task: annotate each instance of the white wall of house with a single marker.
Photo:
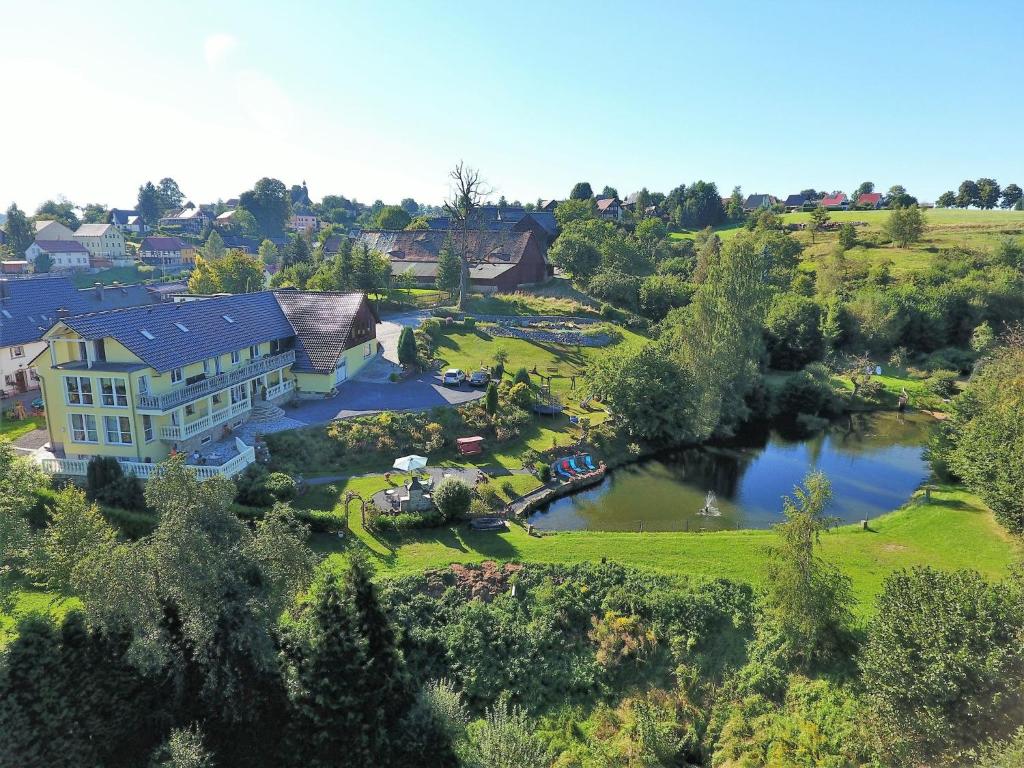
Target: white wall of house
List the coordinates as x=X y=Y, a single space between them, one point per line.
x=61 y=260
x=14 y=368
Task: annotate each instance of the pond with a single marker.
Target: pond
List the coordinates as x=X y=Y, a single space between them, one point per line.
x=874 y=461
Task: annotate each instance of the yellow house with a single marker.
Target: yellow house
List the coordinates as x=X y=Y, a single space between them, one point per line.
x=144 y=382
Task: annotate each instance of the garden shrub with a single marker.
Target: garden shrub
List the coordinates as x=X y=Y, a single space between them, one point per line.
x=130 y=523
x=508 y=489
x=521 y=396
x=251 y=489
x=608 y=312
x=107 y=484
x=280 y=486
x=452 y=497
x=543 y=471
x=405 y=521
x=942 y=383
x=950 y=359
x=488 y=495
x=522 y=376
x=469 y=323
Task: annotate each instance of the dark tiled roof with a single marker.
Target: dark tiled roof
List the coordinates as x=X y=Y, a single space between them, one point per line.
x=323 y=324
x=163 y=244
x=114 y=297
x=758 y=201
x=120 y=216
x=493 y=218
x=257 y=318
x=501 y=246
x=32 y=304
x=795 y=200
x=161 y=291
x=62 y=246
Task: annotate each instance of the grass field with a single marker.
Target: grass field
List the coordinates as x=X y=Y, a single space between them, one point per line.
x=13 y=429
x=953 y=530
x=946 y=228
x=125 y=275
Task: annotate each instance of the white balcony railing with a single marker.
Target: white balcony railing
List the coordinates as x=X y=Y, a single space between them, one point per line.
x=230 y=468
x=193 y=428
x=279 y=389
x=213 y=384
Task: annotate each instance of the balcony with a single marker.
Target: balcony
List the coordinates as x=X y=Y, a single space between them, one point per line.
x=244 y=455
x=213 y=384
x=193 y=428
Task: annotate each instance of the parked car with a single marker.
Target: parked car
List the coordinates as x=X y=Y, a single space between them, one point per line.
x=479 y=378
x=453 y=377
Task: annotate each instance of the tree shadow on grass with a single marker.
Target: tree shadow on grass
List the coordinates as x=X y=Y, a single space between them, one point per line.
x=462 y=539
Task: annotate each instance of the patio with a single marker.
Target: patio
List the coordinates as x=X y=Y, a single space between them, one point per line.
x=387 y=501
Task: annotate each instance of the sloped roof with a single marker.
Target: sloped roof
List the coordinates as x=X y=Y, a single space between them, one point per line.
x=604 y=203
x=323 y=324
x=121 y=215
x=869 y=198
x=795 y=200
x=93 y=230
x=32 y=305
x=833 y=201
x=254 y=318
x=163 y=244
x=758 y=201
x=62 y=246
x=114 y=297
x=425 y=244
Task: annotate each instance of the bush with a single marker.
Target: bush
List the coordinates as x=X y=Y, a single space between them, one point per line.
x=950 y=359
x=431 y=327
x=522 y=377
x=452 y=497
x=129 y=523
x=616 y=288
x=280 y=486
x=488 y=495
x=469 y=323
x=405 y=521
x=543 y=471
x=942 y=383
x=808 y=392
x=608 y=312
x=251 y=488
x=508 y=489
x=107 y=484
x=521 y=396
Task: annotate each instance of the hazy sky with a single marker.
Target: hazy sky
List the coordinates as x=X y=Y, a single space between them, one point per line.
x=379 y=100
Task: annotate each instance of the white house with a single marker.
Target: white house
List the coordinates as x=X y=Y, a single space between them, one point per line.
x=103 y=241
x=65 y=254
x=127 y=220
x=166 y=252
x=53 y=230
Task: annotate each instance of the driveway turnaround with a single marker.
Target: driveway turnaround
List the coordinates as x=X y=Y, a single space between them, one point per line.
x=358 y=398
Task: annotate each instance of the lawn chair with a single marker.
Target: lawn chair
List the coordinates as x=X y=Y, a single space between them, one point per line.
x=560 y=468
x=590 y=462
x=567 y=468
x=578 y=470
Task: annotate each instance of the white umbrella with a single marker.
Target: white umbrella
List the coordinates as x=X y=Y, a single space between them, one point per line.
x=410 y=463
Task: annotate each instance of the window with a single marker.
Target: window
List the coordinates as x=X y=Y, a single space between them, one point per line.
x=78 y=390
x=17 y=351
x=144 y=384
x=147 y=334
x=83 y=428
x=176 y=376
x=368 y=351
x=236 y=357
x=254 y=351
x=118 y=430
x=113 y=392
x=147 y=428
x=190 y=410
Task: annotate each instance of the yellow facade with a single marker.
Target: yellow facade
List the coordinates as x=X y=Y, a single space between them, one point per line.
x=102 y=400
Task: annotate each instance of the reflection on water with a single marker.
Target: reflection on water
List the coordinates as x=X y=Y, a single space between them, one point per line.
x=874 y=461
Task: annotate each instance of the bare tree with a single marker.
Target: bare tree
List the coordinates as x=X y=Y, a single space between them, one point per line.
x=467 y=194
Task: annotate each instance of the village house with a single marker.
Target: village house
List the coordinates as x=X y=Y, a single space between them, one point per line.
x=302 y=222
x=166 y=252
x=52 y=230
x=501 y=260
x=835 y=202
x=65 y=255
x=104 y=243
x=609 y=208
x=794 y=203
x=126 y=220
x=191 y=218
x=143 y=383
x=869 y=200
x=756 y=202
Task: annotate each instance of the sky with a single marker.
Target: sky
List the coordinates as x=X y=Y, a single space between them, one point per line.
x=378 y=100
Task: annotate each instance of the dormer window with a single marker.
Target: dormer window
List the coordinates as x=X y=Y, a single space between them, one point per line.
x=147 y=334
x=181 y=327
x=228 y=318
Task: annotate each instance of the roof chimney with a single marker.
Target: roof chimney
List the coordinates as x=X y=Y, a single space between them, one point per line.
x=99 y=290
x=63 y=313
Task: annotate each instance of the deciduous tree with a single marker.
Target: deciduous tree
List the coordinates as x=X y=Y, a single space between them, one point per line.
x=581 y=191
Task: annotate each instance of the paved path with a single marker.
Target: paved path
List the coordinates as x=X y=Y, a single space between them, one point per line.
x=390 y=327
x=359 y=398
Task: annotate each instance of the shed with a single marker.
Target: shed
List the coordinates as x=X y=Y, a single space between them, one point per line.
x=470 y=445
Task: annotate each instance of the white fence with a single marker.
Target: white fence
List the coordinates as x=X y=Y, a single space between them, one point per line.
x=78 y=467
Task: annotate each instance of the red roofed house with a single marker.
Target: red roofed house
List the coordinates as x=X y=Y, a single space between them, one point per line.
x=870 y=200
x=836 y=202
x=609 y=208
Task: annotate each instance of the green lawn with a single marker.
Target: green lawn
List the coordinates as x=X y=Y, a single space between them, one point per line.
x=556 y=297
x=28 y=601
x=946 y=228
x=125 y=275
x=953 y=530
x=12 y=429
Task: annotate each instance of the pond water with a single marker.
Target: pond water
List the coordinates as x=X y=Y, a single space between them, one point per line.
x=874 y=461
